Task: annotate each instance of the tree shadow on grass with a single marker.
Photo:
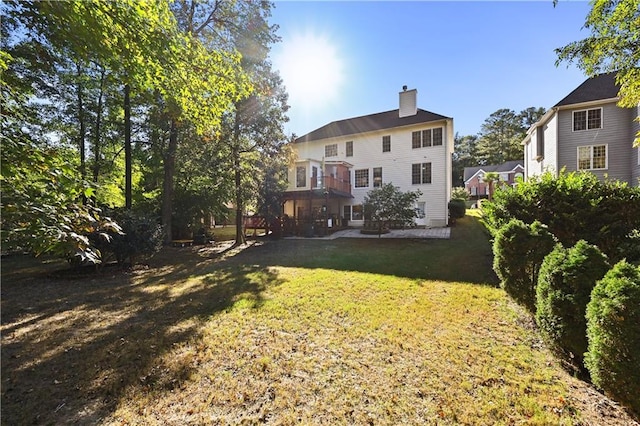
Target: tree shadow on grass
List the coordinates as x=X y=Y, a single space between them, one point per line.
x=71 y=347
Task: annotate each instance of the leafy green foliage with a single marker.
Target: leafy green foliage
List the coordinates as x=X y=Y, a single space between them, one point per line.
x=141 y=237
x=611 y=47
x=42 y=210
x=567 y=277
x=613 y=330
x=574 y=206
x=457 y=209
x=459 y=193
x=518 y=252
x=389 y=204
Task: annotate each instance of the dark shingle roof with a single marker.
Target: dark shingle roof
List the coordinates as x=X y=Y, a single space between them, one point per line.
x=504 y=167
x=369 y=123
x=599 y=87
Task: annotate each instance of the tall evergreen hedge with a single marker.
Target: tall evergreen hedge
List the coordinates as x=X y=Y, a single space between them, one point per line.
x=574 y=206
x=518 y=252
x=567 y=277
x=613 y=330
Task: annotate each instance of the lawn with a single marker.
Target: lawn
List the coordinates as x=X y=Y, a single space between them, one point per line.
x=283 y=332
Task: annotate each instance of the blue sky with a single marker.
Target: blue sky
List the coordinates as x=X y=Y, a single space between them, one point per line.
x=466 y=59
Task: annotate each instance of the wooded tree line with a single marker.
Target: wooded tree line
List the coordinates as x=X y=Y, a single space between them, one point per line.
x=164 y=107
x=498 y=141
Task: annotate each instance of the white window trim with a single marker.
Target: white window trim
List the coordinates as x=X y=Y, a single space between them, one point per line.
x=334 y=148
x=606 y=156
x=573 y=119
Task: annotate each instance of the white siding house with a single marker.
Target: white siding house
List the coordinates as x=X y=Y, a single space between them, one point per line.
x=586 y=131
x=338 y=164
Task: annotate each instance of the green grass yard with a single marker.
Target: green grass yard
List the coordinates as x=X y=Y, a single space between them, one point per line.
x=283 y=332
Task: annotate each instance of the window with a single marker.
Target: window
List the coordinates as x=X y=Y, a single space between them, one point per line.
x=416 y=141
x=356 y=212
x=539 y=144
x=377 y=177
x=301 y=177
x=421 y=210
x=592 y=157
x=331 y=150
x=362 y=178
x=420 y=173
x=349 y=149
x=587 y=119
x=425 y=138
x=437 y=136
x=346 y=212
x=386 y=144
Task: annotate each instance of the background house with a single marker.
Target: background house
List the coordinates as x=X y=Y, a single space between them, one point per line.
x=339 y=163
x=586 y=131
x=508 y=172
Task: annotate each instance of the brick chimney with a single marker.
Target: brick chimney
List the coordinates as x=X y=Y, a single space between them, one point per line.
x=408 y=102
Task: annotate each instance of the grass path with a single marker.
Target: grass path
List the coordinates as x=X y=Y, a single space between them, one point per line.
x=304 y=331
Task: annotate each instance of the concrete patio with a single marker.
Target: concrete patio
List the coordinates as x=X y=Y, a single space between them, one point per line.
x=416 y=233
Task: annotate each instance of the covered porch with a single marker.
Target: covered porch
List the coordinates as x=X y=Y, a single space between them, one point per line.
x=314 y=212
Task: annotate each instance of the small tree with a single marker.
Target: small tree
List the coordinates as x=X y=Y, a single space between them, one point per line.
x=389 y=204
x=490 y=178
x=459 y=193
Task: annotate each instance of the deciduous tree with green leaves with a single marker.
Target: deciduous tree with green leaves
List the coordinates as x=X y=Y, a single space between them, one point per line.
x=613 y=46
x=389 y=204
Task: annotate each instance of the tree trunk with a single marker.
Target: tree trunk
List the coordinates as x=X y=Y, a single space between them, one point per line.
x=127 y=147
x=82 y=130
x=240 y=238
x=96 y=138
x=167 y=185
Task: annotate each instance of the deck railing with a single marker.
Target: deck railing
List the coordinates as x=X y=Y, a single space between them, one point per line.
x=330 y=182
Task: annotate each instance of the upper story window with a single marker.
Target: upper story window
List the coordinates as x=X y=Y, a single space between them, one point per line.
x=301 y=177
x=386 y=144
x=424 y=138
x=592 y=157
x=420 y=173
x=349 y=149
x=362 y=178
x=587 y=119
x=377 y=177
x=331 y=150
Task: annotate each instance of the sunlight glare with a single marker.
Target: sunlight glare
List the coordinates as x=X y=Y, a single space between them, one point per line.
x=311 y=69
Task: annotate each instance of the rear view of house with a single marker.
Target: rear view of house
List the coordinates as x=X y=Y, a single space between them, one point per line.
x=339 y=163
x=586 y=131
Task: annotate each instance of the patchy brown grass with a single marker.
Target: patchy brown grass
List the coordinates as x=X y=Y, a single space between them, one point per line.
x=283 y=332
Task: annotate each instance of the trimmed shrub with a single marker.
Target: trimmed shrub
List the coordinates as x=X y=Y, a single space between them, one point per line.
x=567 y=277
x=518 y=252
x=457 y=208
x=575 y=206
x=613 y=331
x=141 y=238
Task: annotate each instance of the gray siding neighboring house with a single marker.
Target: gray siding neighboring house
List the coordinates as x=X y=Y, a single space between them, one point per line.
x=586 y=131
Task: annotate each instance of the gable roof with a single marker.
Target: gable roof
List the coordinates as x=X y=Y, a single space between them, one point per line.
x=602 y=86
x=369 y=123
x=508 y=166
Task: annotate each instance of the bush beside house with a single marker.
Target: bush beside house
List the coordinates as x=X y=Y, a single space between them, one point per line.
x=566 y=278
x=597 y=220
x=613 y=331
